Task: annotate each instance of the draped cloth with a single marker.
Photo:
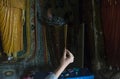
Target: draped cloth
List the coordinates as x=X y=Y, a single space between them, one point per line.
x=11 y=25
x=111 y=27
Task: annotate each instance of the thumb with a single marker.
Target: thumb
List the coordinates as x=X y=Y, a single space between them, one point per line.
x=64 y=54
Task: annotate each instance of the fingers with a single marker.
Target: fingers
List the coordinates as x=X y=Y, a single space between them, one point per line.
x=70 y=56
x=69 y=53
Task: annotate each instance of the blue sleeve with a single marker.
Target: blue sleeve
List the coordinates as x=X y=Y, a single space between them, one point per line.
x=51 y=76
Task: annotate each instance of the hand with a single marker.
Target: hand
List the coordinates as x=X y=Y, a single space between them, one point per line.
x=67 y=58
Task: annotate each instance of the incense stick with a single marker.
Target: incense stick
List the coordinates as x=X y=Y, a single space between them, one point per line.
x=65 y=31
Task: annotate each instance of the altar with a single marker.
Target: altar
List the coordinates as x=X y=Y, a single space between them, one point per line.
x=77 y=73
x=73 y=73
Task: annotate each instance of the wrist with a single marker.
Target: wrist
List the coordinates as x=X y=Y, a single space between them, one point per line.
x=60 y=69
x=64 y=64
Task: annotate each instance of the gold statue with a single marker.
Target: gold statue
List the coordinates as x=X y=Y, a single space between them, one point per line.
x=11 y=26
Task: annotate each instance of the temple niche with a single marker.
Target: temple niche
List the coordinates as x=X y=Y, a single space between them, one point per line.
x=15 y=36
x=15 y=30
x=29 y=39
x=34 y=33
